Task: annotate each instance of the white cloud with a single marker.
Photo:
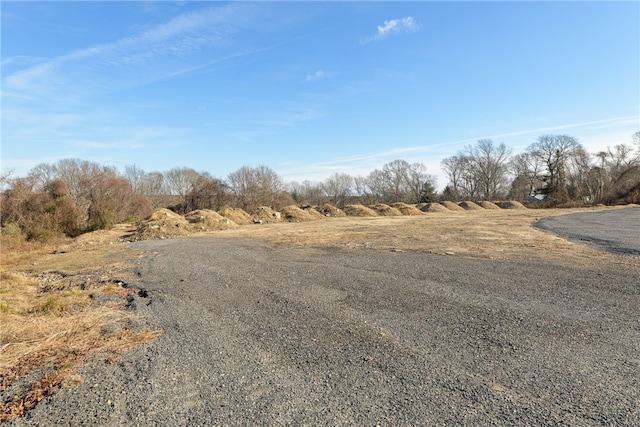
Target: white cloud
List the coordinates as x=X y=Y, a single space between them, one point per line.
x=320 y=74
x=405 y=25
x=131 y=61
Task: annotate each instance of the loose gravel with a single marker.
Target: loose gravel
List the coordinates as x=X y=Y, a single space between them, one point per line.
x=257 y=334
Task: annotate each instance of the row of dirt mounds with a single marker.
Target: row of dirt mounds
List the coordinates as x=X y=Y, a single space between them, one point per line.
x=164 y=223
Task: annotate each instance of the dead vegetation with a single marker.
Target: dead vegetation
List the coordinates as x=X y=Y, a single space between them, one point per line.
x=63 y=304
x=57 y=314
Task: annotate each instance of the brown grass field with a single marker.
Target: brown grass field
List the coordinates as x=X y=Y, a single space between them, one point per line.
x=64 y=303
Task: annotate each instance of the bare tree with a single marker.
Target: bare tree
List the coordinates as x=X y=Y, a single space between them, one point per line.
x=255 y=187
x=307 y=192
x=479 y=172
x=555 y=151
x=136 y=177
x=208 y=193
x=454 y=168
x=338 y=188
x=527 y=172
x=179 y=181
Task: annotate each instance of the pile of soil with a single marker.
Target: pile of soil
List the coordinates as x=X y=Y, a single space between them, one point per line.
x=468 y=205
x=328 y=209
x=511 y=204
x=433 y=207
x=264 y=215
x=162 y=224
x=207 y=220
x=406 y=209
x=359 y=210
x=385 y=210
x=451 y=206
x=237 y=215
x=488 y=205
x=312 y=210
x=295 y=214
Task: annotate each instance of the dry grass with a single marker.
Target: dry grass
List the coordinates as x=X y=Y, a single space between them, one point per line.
x=15 y=249
x=50 y=324
x=485 y=233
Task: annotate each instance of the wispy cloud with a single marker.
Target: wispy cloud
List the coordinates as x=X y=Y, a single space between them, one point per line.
x=169 y=49
x=619 y=130
x=320 y=74
x=396 y=26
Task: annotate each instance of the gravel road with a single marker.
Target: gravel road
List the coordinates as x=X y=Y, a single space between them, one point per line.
x=257 y=334
x=613 y=231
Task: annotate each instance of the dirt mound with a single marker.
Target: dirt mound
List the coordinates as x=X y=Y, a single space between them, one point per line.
x=162 y=224
x=511 y=204
x=207 y=220
x=265 y=215
x=359 y=210
x=313 y=211
x=295 y=214
x=406 y=209
x=451 y=206
x=434 y=207
x=165 y=214
x=468 y=205
x=236 y=215
x=488 y=205
x=385 y=210
x=329 y=210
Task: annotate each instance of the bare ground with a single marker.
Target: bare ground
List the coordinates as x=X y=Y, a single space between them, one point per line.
x=501 y=235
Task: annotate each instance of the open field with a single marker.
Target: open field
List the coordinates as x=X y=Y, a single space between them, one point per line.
x=493 y=234
x=349 y=320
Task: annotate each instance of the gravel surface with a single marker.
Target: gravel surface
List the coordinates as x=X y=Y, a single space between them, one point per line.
x=258 y=334
x=613 y=231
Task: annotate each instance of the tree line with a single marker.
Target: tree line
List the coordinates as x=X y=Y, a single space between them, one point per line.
x=556 y=169
x=72 y=196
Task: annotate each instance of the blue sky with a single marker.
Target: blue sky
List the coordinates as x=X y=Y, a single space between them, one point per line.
x=310 y=88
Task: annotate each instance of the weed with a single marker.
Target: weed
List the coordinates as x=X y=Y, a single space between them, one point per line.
x=57 y=327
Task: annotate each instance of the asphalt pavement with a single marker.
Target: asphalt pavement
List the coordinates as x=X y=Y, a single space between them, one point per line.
x=259 y=334
x=616 y=231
